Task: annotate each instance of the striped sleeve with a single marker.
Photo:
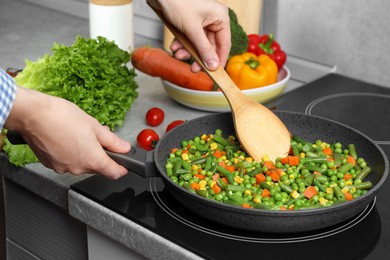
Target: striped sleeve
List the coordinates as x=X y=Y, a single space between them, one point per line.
x=7 y=95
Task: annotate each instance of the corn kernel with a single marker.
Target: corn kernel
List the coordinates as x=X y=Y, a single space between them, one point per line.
x=238 y=179
x=203 y=137
x=257 y=200
x=291 y=207
x=235 y=160
x=202 y=184
x=213 y=146
x=266 y=158
x=184 y=156
x=323 y=201
x=345 y=189
x=194 y=167
x=291 y=176
x=249 y=159
x=247 y=193
x=302 y=155
x=329 y=190
x=294 y=194
x=283 y=173
x=349 y=182
x=212 y=184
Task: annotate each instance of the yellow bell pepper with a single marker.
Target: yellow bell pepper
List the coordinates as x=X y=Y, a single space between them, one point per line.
x=250 y=71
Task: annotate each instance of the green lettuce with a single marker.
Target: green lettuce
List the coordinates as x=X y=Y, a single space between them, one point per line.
x=91 y=73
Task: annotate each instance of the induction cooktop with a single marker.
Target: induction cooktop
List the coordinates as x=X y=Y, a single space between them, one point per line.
x=358 y=104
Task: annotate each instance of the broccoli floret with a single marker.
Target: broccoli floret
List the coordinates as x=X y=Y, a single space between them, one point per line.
x=239 y=37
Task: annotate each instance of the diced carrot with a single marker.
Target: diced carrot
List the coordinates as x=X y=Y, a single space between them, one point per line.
x=269 y=164
x=351 y=160
x=330 y=159
x=195 y=186
x=282 y=208
x=216 y=177
x=274 y=176
x=246 y=205
x=347 y=176
x=188 y=146
x=184 y=151
x=230 y=168
x=217 y=153
x=348 y=196
x=225 y=180
x=284 y=160
x=200 y=176
x=265 y=193
x=216 y=189
x=327 y=151
x=260 y=177
x=279 y=171
x=293 y=160
x=174 y=150
x=317 y=173
x=310 y=192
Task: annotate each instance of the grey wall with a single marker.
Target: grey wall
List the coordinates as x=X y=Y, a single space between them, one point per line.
x=351 y=34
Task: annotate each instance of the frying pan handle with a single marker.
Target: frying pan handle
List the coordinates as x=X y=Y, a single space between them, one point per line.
x=139 y=161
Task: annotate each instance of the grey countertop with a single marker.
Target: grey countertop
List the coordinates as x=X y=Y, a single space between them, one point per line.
x=28 y=31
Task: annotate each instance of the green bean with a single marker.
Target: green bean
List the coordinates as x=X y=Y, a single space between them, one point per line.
x=186 y=165
x=255 y=171
x=221 y=184
x=352 y=151
x=219 y=139
x=316 y=160
x=237 y=198
x=208 y=162
x=345 y=168
x=229 y=176
x=361 y=186
x=294 y=147
x=286 y=188
x=265 y=185
x=203 y=193
x=339 y=194
x=321 y=178
x=319 y=185
x=363 y=173
x=309 y=179
x=169 y=168
x=233 y=188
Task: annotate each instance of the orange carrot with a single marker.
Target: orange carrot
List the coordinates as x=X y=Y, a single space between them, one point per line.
x=230 y=168
x=215 y=177
x=269 y=164
x=174 y=150
x=348 y=196
x=351 y=160
x=310 y=192
x=284 y=160
x=293 y=160
x=265 y=193
x=199 y=176
x=217 y=153
x=158 y=63
x=347 y=176
x=273 y=174
x=216 y=189
x=260 y=177
x=327 y=151
x=225 y=180
x=195 y=186
x=246 y=205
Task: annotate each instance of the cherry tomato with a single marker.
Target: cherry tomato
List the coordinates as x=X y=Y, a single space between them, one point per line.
x=154 y=116
x=147 y=139
x=174 y=124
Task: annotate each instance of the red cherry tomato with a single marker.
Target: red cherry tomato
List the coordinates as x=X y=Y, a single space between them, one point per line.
x=154 y=116
x=174 y=124
x=147 y=139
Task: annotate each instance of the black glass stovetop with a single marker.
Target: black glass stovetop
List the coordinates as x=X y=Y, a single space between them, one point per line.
x=363 y=106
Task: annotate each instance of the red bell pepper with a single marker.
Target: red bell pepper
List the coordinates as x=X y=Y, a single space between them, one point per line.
x=266 y=44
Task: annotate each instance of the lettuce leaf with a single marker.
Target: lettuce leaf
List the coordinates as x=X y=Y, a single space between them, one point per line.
x=91 y=73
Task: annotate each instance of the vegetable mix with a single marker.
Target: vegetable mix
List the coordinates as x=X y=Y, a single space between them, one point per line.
x=313 y=175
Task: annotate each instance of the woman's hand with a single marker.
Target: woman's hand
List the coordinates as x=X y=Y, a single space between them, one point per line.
x=206 y=24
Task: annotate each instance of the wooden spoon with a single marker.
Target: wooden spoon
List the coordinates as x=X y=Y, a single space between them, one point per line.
x=258 y=129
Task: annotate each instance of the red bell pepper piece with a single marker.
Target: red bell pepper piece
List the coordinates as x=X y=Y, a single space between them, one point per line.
x=266 y=44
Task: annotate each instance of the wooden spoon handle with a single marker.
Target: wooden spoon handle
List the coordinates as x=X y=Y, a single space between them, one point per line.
x=221 y=78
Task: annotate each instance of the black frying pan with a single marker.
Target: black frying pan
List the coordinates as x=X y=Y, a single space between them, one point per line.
x=307 y=127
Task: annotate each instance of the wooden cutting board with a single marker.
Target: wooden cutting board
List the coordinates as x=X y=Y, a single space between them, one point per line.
x=248 y=13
